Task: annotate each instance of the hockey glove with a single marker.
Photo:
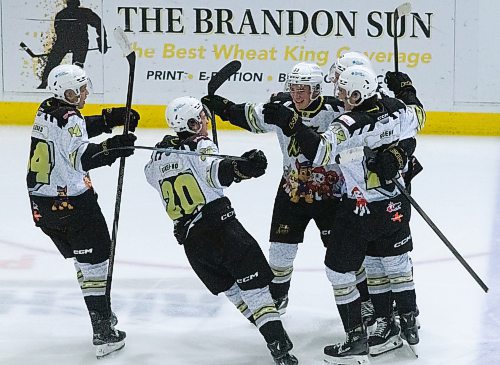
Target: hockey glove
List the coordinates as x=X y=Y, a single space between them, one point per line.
x=169 y=141
x=254 y=166
x=218 y=105
x=285 y=118
x=116 y=116
x=398 y=82
x=280 y=97
x=386 y=164
x=107 y=157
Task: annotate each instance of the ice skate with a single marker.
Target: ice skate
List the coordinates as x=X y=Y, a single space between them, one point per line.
x=386 y=337
x=106 y=338
x=353 y=351
x=368 y=316
x=280 y=351
x=409 y=331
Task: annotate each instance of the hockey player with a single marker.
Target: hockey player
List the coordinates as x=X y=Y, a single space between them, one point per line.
x=226 y=258
x=304 y=193
x=63 y=201
x=373 y=217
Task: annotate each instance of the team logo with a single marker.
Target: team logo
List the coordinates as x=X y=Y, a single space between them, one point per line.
x=397 y=217
x=393 y=207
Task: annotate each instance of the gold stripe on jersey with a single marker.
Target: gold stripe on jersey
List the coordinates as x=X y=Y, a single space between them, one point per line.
x=311 y=113
x=72 y=158
x=421 y=116
x=250 y=117
x=327 y=149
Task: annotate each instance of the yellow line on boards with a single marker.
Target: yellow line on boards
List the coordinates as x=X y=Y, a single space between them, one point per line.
x=153 y=116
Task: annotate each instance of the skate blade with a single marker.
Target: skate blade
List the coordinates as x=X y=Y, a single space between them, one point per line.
x=109 y=348
x=414 y=350
x=347 y=360
x=395 y=342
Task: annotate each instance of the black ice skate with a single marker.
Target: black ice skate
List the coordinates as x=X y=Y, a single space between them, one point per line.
x=368 y=316
x=106 y=338
x=409 y=330
x=353 y=351
x=280 y=351
x=386 y=337
x=281 y=304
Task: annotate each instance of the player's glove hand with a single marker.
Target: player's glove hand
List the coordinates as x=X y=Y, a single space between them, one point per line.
x=280 y=97
x=103 y=48
x=218 y=105
x=121 y=140
x=397 y=81
x=386 y=164
x=285 y=118
x=116 y=116
x=254 y=166
x=169 y=141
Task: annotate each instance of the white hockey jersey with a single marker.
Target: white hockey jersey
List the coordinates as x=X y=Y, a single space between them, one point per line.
x=58 y=140
x=302 y=180
x=185 y=182
x=392 y=122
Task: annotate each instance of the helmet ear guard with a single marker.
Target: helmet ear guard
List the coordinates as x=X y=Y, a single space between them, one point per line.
x=181 y=112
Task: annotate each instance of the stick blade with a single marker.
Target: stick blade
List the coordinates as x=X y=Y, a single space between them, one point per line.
x=122 y=40
x=224 y=73
x=403 y=9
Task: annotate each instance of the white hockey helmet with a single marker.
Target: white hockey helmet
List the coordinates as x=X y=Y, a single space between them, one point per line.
x=305 y=73
x=346 y=60
x=181 y=110
x=360 y=79
x=67 y=77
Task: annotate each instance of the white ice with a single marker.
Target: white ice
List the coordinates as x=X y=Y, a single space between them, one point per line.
x=170 y=318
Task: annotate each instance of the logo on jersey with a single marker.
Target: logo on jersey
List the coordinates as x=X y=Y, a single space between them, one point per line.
x=75 y=131
x=393 y=207
x=61 y=202
x=170 y=167
x=36 y=212
x=39 y=130
x=397 y=217
x=283 y=229
x=246 y=279
x=83 y=252
x=347 y=120
x=339 y=135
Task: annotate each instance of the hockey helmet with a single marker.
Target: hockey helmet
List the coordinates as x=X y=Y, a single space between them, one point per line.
x=305 y=73
x=67 y=77
x=358 y=79
x=181 y=110
x=346 y=60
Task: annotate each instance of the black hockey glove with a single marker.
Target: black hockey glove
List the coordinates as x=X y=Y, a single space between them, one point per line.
x=254 y=166
x=386 y=164
x=169 y=141
x=107 y=157
x=283 y=117
x=116 y=116
x=218 y=105
x=280 y=97
x=398 y=82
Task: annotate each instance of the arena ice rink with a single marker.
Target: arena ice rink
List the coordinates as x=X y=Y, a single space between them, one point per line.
x=171 y=319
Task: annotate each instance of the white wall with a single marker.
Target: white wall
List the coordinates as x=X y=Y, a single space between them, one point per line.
x=462 y=36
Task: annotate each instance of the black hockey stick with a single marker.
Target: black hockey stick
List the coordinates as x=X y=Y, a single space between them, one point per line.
x=400 y=11
x=124 y=44
x=37 y=55
x=440 y=234
x=215 y=82
x=178 y=152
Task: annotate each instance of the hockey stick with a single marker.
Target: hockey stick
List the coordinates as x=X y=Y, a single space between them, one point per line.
x=178 y=152
x=440 y=234
x=124 y=44
x=400 y=11
x=37 y=55
x=215 y=82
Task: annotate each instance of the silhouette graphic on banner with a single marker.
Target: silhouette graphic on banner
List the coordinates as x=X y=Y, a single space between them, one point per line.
x=71 y=27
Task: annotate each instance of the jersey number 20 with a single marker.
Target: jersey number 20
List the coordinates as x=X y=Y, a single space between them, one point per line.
x=182 y=195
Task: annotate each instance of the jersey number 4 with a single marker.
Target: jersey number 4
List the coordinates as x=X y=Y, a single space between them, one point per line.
x=41 y=162
x=182 y=194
